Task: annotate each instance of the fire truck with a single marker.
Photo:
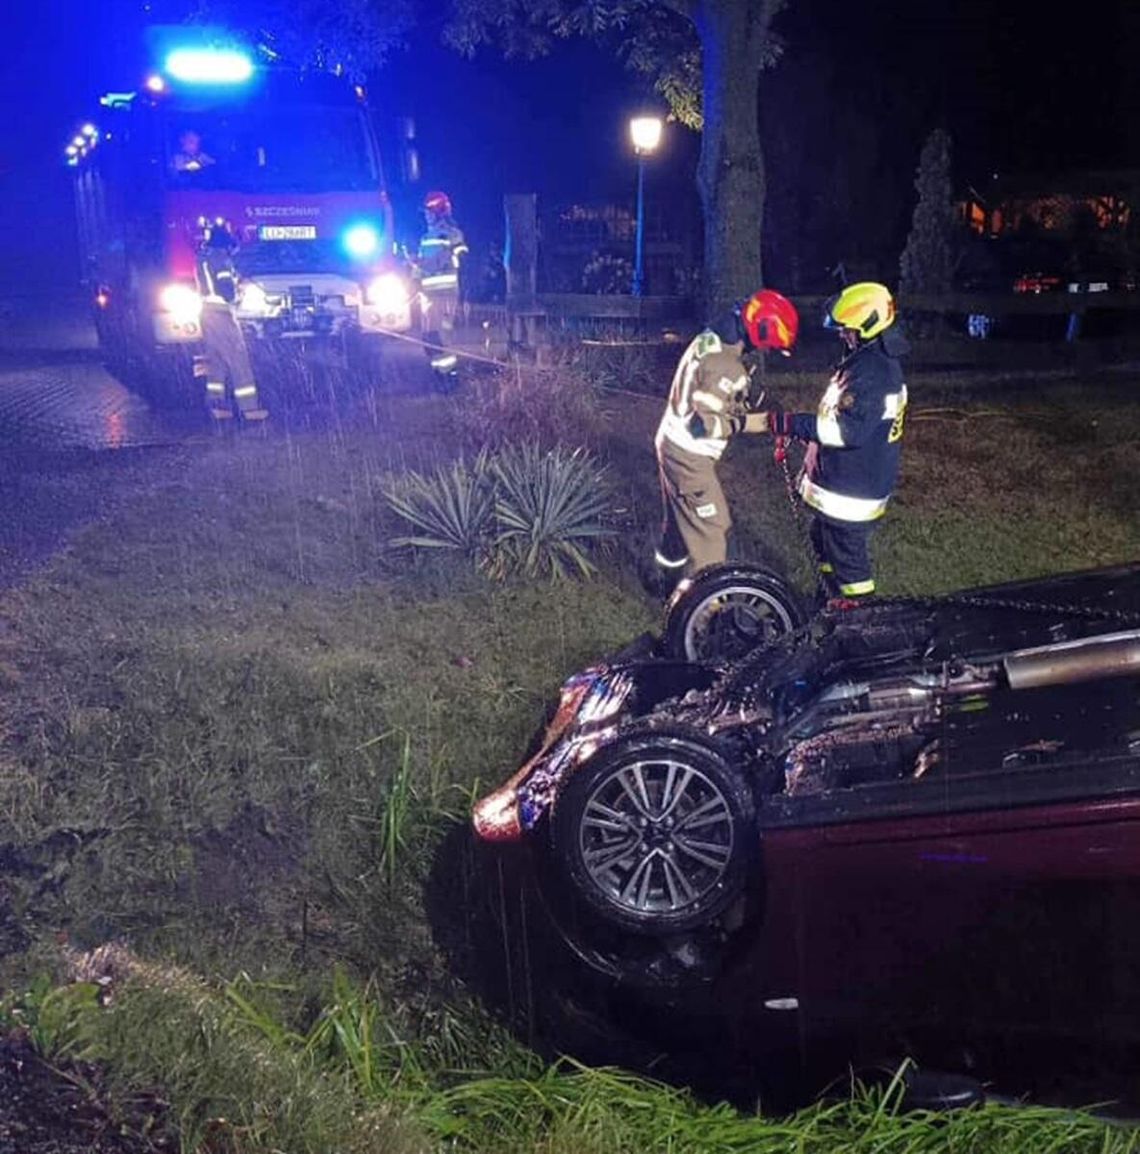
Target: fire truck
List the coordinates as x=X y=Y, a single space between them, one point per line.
x=284 y=161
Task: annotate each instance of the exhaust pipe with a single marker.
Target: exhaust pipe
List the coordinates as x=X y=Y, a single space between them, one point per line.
x=1068 y=662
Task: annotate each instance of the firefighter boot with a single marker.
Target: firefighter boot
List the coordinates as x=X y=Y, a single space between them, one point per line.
x=247 y=404
x=216 y=403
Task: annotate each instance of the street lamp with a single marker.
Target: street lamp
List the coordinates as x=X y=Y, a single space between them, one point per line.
x=645 y=132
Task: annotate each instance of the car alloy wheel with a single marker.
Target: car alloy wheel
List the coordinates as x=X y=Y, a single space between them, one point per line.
x=654 y=833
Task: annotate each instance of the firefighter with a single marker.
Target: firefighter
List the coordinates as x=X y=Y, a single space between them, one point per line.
x=441 y=250
x=190 y=156
x=709 y=403
x=854 y=440
x=223 y=366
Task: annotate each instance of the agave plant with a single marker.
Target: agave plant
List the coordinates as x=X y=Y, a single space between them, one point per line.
x=452 y=508
x=550 y=507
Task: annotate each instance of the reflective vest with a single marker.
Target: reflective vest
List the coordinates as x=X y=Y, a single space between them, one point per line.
x=858 y=428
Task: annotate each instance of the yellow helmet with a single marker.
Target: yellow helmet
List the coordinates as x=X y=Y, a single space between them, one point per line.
x=866 y=308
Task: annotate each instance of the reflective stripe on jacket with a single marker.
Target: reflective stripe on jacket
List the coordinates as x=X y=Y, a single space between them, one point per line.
x=439 y=253
x=858 y=428
x=710 y=380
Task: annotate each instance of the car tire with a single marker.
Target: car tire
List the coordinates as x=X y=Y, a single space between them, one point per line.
x=656 y=834
x=726 y=611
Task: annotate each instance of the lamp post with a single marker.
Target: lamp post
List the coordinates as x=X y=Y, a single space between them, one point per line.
x=645 y=132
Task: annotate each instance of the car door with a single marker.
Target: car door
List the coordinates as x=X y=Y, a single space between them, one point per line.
x=998 y=891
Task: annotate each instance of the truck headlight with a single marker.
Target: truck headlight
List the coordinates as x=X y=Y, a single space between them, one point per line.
x=388 y=293
x=253 y=299
x=183 y=303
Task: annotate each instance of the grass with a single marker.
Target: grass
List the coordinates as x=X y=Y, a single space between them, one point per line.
x=356 y=1079
x=237 y=1080
x=237 y=728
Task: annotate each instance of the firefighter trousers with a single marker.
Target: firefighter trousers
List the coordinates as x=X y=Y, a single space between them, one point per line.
x=843 y=556
x=223 y=367
x=694 y=513
x=439 y=309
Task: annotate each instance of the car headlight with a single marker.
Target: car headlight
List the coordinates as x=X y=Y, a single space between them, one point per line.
x=181 y=301
x=388 y=293
x=253 y=298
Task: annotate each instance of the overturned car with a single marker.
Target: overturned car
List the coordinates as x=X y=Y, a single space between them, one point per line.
x=917 y=807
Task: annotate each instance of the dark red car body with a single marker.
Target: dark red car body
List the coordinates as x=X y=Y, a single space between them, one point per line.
x=988 y=889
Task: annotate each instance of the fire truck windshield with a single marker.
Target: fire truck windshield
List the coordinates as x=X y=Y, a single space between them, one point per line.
x=301 y=149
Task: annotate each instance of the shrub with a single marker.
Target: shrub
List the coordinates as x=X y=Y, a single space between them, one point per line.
x=550 y=507
x=524 y=510
x=547 y=404
x=607 y=274
x=452 y=508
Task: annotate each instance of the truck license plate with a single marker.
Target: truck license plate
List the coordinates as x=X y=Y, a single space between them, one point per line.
x=287 y=232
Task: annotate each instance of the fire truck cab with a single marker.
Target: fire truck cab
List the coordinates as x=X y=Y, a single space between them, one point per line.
x=284 y=161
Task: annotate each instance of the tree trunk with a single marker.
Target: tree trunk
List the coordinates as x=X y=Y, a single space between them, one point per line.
x=730 y=174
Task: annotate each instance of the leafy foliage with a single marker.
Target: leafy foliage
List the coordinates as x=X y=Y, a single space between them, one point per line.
x=451 y=508
x=548 y=405
x=353 y=37
x=551 y=506
x=607 y=273
x=927 y=263
x=655 y=38
x=524 y=510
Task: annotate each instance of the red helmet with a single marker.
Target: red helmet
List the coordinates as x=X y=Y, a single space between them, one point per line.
x=438 y=203
x=770 y=321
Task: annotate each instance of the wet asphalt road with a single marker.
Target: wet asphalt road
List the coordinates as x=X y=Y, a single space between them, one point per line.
x=64 y=423
x=55 y=394
x=71 y=433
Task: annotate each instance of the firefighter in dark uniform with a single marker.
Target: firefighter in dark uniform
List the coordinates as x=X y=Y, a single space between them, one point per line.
x=709 y=403
x=854 y=440
x=223 y=367
x=441 y=250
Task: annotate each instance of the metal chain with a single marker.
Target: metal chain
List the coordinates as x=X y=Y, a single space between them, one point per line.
x=1122 y=616
x=781 y=455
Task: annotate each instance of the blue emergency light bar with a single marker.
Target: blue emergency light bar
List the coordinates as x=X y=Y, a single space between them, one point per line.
x=208 y=66
x=361 y=240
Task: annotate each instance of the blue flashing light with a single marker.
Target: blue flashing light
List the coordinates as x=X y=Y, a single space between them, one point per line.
x=362 y=241
x=208 y=66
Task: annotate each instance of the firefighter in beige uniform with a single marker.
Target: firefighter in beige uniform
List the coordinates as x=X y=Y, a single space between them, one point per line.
x=223 y=366
x=708 y=403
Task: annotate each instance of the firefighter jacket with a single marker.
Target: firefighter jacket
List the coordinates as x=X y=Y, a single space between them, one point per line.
x=441 y=248
x=217 y=277
x=858 y=429
x=710 y=380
